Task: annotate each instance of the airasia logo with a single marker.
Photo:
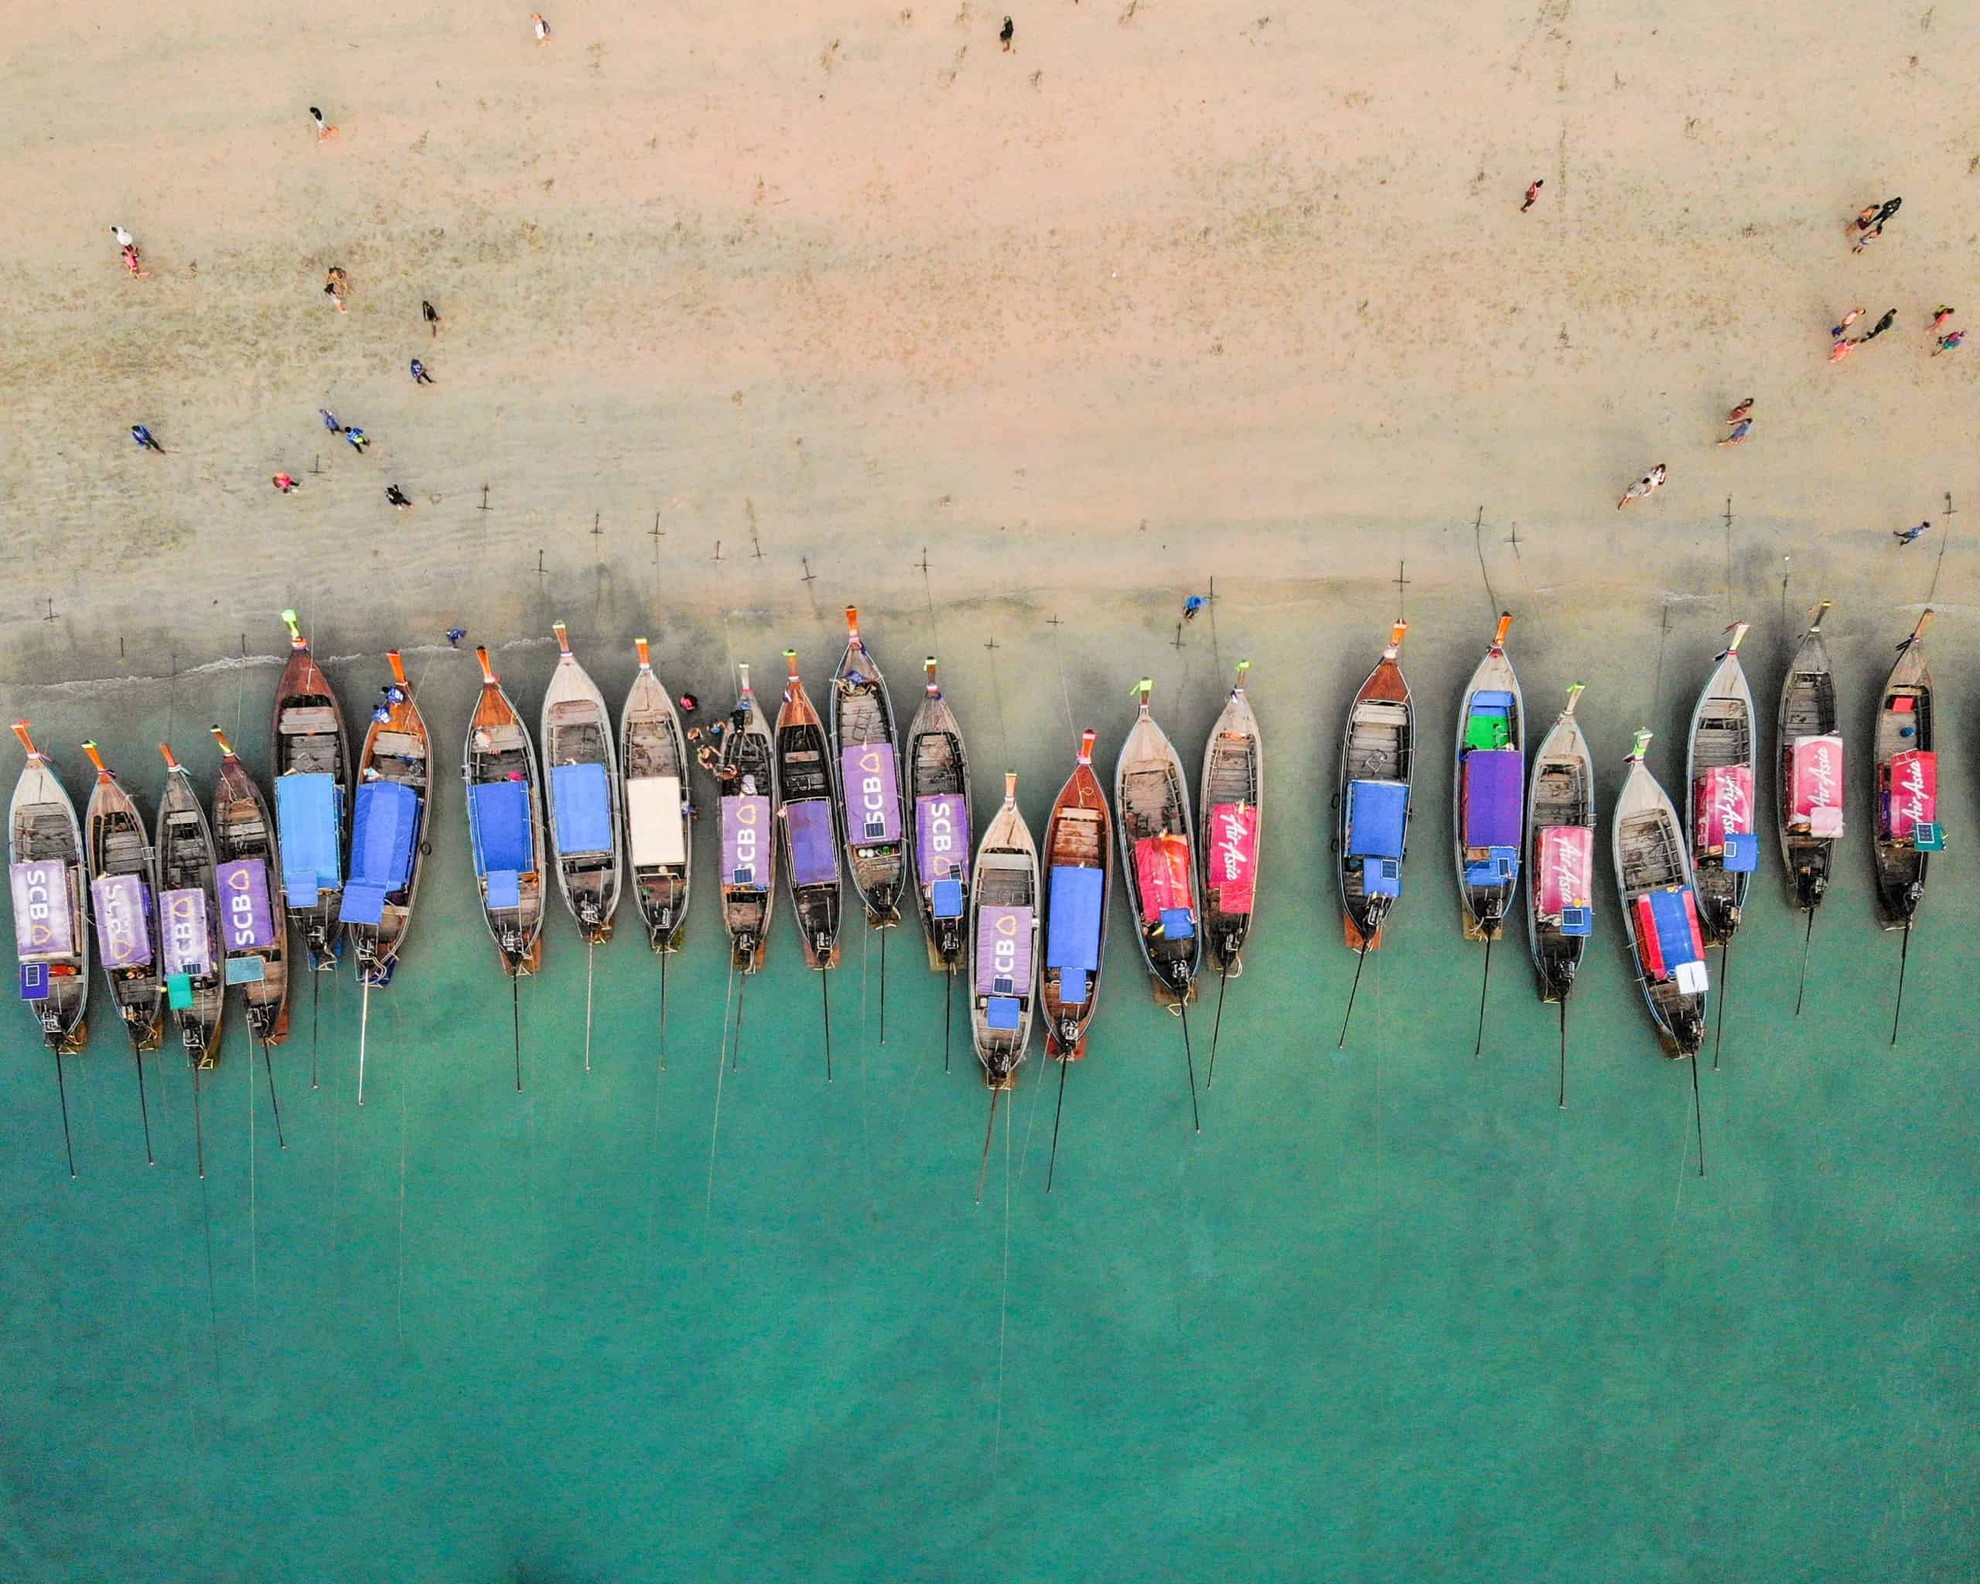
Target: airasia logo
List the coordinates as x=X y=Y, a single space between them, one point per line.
x=1569 y=876
x=1914 y=802
x=1821 y=768
x=1228 y=853
x=1729 y=804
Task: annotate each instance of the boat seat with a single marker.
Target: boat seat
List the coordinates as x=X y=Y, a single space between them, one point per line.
x=1577 y=921
x=1690 y=978
x=1928 y=836
x=309 y=720
x=1377 y=712
x=1072 y=986
x=179 y=992
x=1003 y=1013
x=1177 y=925
x=247 y=970
x=946 y=899
x=399 y=745
x=504 y=888
x=1742 y=852
x=1381 y=877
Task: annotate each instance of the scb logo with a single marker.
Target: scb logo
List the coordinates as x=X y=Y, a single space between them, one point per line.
x=239 y=908
x=1004 y=947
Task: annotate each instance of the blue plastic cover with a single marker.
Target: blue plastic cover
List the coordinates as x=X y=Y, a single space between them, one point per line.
x=1002 y=1013
x=1381 y=877
x=382 y=828
x=1742 y=852
x=504 y=888
x=364 y=903
x=581 y=797
x=1577 y=921
x=1376 y=814
x=1487 y=700
x=814 y=842
x=1072 y=927
x=312 y=844
x=1072 y=986
x=1177 y=924
x=1673 y=921
x=947 y=897
x=498 y=811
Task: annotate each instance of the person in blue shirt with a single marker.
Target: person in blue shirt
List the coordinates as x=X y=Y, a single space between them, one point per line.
x=1192 y=605
x=144 y=439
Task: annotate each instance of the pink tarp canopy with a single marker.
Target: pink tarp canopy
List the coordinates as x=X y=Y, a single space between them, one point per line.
x=1722 y=805
x=1233 y=844
x=1161 y=868
x=1913 y=799
x=1817 y=784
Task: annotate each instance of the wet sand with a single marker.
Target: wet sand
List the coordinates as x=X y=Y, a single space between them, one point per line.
x=1164 y=293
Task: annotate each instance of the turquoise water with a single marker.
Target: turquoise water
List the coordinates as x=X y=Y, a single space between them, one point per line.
x=1392 y=1314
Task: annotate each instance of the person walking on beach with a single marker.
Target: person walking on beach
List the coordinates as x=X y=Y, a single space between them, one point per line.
x=419 y=374
x=1841 y=327
x=1192 y=605
x=1532 y=194
x=1004 y=35
x=1874 y=215
x=1844 y=347
x=324 y=130
x=123 y=237
x=333 y=288
x=542 y=27
x=1883 y=324
x=1904 y=536
x=1868 y=237
x=431 y=315
x=357 y=437
x=286 y=484
x=1643 y=486
x=330 y=420
x=1740 y=430
x=397 y=497
x=454 y=636
x=1940 y=315
x=145 y=442
x=1949 y=342
x=1742 y=410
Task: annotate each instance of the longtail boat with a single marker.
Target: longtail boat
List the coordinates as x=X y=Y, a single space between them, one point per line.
x=582 y=791
x=505 y=825
x=1158 y=856
x=1488 y=773
x=188 y=937
x=48 y=881
x=803 y=780
x=1905 y=800
x=1660 y=907
x=121 y=883
x=1810 y=789
x=312 y=797
x=938 y=788
x=1232 y=803
x=389 y=829
x=254 y=934
x=864 y=744
x=1003 y=932
x=1378 y=751
x=1079 y=867
x=654 y=766
x=1560 y=824
x=749 y=833
x=1719 y=766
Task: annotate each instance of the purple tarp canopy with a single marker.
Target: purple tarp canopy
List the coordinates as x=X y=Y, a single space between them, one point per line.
x=872 y=793
x=123 y=920
x=814 y=842
x=1492 y=797
x=185 y=939
x=42 y=917
x=941 y=836
x=746 y=842
x=247 y=922
x=1003 y=950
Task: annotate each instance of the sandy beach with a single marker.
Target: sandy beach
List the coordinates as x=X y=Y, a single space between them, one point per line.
x=1162 y=293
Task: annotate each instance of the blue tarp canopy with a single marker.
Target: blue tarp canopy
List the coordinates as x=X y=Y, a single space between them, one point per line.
x=1492 y=797
x=814 y=842
x=499 y=813
x=382 y=829
x=1072 y=929
x=1673 y=921
x=582 y=799
x=1377 y=812
x=306 y=809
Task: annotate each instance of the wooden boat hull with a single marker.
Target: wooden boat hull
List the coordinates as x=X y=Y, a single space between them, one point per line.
x=582 y=820
x=1152 y=805
x=1231 y=824
x=309 y=739
x=1003 y=943
x=807 y=820
x=1378 y=750
x=244 y=833
x=1903 y=795
x=1560 y=798
x=1488 y=870
x=51 y=914
x=188 y=910
x=1652 y=862
x=938 y=796
x=396 y=764
x=1719 y=773
x=865 y=750
x=659 y=837
x=1079 y=838
x=1807 y=713
x=119 y=850
x=747 y=805
x=505 y=836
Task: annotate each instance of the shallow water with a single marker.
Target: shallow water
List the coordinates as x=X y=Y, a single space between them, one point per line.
x=1392 y=1314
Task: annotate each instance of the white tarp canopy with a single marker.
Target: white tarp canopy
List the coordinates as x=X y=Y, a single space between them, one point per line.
x=653 y=821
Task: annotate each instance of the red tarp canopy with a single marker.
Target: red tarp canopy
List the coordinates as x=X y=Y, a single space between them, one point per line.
x=1566 y=860
x=1817 y=781
x=1233 y=848
x=1161 y=866
x=1913 y=797
x=1722 y=805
